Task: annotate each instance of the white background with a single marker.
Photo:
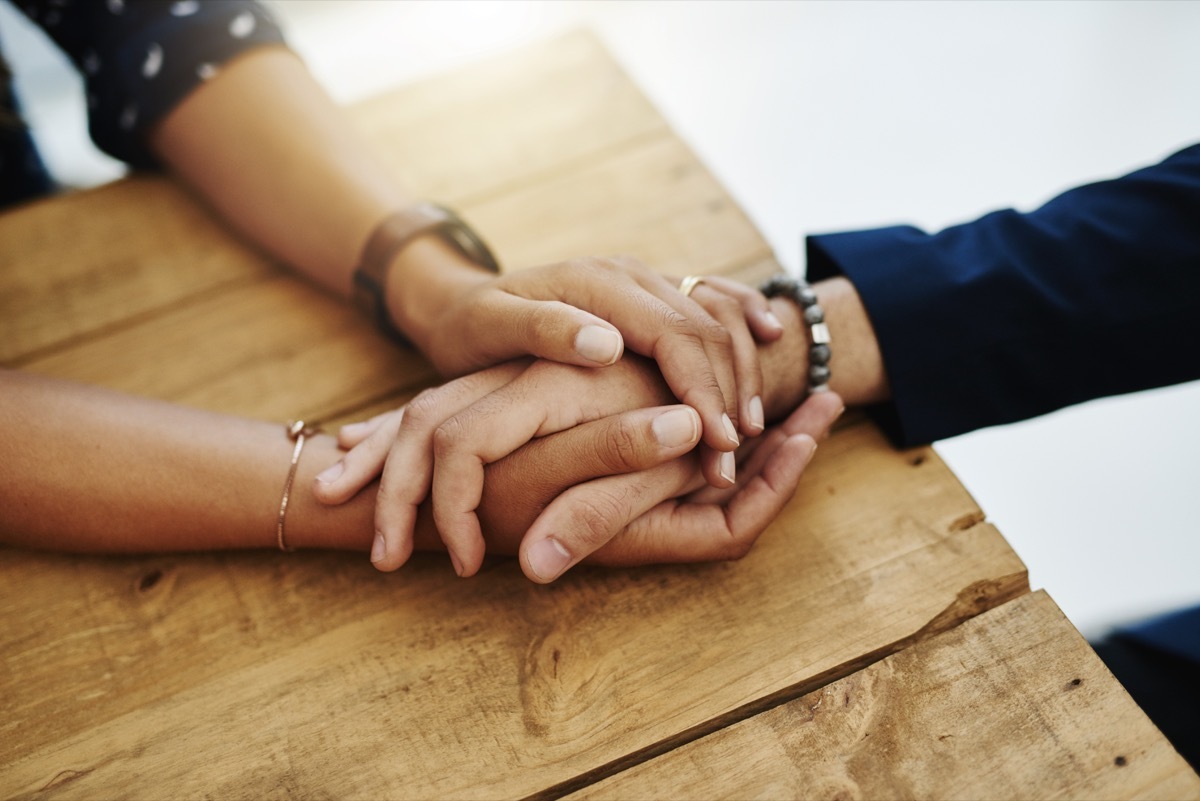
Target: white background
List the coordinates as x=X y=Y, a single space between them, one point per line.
x=827 y=116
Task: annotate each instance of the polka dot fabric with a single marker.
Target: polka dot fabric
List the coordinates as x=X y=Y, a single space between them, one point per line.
x=139 y=58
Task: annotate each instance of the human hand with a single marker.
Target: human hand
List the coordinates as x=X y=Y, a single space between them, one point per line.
x=571 y=496
x=479 y=419
x=715 y=291
x=636 y=518
x=585 y=312
x=446 y=435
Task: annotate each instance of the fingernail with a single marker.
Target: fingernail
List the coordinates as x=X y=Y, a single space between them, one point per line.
x=458 y=568
x=676 y=427
x=728 y=466
x=330 y=474
x=730 y=431
x=757 y=420
x=772 y=321
x=811 y=453
x=548 y=558
x=597 y=344
x=379 y=548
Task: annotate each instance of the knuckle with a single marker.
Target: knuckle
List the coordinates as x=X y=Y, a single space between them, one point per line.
x=387 y=497
x=592 y=267
x=595 y=516
x=716 y=334
x=704 y=328
x=702 y=388
x=622 y=447
x=674 y=331
x=421 y=411
x=677 y=324
x=738 y=544
x=702 y=391
x=543 y=322
x=448 y=436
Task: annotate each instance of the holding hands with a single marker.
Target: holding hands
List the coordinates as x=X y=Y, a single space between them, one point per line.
x=611 y=488
x=440 y=444
x=585 y=312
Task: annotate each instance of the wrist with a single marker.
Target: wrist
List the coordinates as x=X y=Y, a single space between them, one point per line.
x=423 y=280
x=415 y=261
x=857 y=363
x=312 y=524
x=858 y=374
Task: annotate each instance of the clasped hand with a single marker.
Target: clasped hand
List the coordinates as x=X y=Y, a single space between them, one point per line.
x=586 y=311
x=622 y=488
x=440 y=444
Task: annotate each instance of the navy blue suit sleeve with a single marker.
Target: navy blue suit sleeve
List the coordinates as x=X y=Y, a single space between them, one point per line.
x=1014 y=315
x=139 y=58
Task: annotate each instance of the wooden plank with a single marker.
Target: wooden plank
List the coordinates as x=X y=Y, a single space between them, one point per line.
x=654 y=200
x=83 y=263
x=237 y=675
x=1012 y=704
x=469 y=134
x=509 y=120
x=277 y=349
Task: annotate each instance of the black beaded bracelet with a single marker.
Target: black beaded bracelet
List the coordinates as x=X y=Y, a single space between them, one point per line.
x=814 y=317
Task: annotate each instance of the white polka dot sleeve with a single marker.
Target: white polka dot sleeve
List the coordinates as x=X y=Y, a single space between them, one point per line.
x=140 y=58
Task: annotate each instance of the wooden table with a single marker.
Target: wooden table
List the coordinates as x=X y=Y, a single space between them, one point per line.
x=880 y=641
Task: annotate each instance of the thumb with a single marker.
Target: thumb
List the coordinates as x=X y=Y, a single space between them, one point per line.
x=584 y=518
x=508 y=326
x=551 y=472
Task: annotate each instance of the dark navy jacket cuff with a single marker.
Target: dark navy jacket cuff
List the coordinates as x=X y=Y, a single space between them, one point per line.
x=1017 y=314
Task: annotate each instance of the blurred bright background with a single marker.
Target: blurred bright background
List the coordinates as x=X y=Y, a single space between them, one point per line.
x=822 y=116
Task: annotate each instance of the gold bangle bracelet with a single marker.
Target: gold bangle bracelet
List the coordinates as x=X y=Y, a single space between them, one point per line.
x=297 y=432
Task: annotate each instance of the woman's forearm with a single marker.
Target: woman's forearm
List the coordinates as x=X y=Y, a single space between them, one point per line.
x=88 y=469
x=272 y=153
x=267 y=148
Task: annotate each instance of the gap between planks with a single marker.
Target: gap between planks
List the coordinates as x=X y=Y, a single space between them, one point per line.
x=972 y=601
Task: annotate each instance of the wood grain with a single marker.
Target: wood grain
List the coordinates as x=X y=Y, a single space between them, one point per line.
x=240 y=674
x=274 y=349
x=653 y=200
x=85 y=263
x=250 y=674
x=509 y=121
x=1013 y=704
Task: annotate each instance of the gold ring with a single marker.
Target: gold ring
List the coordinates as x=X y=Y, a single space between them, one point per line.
x=689 y=283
